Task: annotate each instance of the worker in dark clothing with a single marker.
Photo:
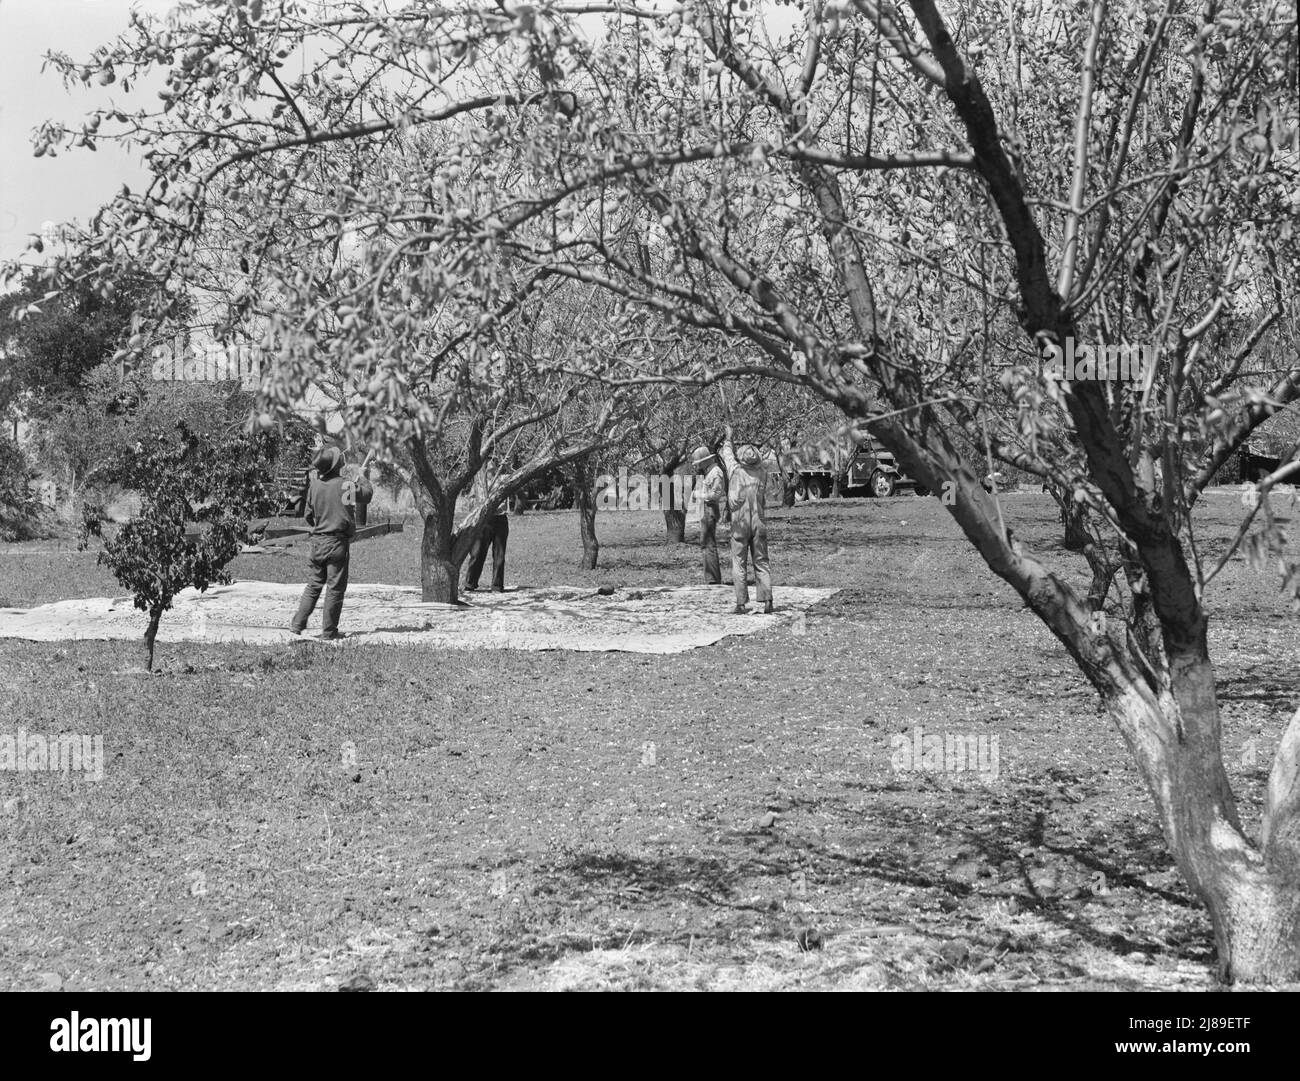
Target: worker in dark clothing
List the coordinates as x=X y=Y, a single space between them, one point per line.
x=713 y=501
x=494 y=534
x=331 y=511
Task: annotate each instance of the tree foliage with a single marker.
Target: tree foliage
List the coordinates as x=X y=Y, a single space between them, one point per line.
x=53 y=341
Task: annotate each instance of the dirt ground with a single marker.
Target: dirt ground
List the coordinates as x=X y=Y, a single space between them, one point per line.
x=737 y=816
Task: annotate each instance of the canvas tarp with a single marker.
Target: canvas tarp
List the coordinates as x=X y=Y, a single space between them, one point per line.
x=648 y=620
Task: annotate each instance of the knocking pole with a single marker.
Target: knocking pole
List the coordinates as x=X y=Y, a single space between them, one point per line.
x=726 y=405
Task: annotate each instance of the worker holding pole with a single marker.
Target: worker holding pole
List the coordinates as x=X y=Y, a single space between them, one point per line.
x=746 y=489
x=331 y=510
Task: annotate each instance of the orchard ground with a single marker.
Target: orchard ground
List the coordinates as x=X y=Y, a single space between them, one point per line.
x=300 y=817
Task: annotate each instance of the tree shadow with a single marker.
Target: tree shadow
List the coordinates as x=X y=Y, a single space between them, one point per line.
x=890 y=873
x=1279 y=690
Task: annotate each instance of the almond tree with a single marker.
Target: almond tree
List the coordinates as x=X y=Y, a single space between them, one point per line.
x=317 y=250
x=1121 y=232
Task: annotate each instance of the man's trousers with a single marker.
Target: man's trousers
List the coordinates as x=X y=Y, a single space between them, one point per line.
x=751 y=545
x=709 y=542
x=495 y=535
x=329 y=571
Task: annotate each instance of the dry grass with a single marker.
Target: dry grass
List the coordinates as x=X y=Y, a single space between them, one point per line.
x=293 y=818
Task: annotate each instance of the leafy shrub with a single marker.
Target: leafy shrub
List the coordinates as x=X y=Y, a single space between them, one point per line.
x=21 y=513
x=197 y=493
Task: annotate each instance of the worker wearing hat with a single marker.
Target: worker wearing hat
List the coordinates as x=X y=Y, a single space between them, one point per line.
x=747 y=485
x=713 y=501
x=331 y=505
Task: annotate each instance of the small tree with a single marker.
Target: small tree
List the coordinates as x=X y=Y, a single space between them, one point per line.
x=197 y=494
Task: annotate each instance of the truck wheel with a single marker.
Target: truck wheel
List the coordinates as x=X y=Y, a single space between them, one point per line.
x=921 y=490
x=801 y=489
x=882 y=485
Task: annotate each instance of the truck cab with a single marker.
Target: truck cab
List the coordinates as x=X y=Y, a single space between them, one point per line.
x=875 y=468
x=872 y=470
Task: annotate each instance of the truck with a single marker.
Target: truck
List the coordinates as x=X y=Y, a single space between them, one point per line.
x=870 y=470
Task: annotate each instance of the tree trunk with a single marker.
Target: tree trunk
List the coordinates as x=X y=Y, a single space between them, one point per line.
x=1103 y=574
x=587 y=526
x=1078 y=538
x=439 y=574
x=1256 y=916
x=674 y=516
x=786 y=471
x=586 y=501
x=1162 y=700
x=151 y=636
x=1074 y=517
x=1252 y=893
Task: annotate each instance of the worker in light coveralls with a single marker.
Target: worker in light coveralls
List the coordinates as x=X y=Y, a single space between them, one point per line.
x=748 y=525
x=713 y=502
x=331 y=505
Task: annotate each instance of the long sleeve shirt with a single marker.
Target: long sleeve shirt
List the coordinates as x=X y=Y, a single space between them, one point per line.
x=714 y=490
x=745 y=493
x=331 y=504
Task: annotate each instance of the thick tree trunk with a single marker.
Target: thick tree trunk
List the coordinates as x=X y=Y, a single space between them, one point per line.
x=1157 y=682
x=586 y=502
x=151 y=636
x=439 y=574
x=1252 y=893
x=674 y=516
x=1256 y=916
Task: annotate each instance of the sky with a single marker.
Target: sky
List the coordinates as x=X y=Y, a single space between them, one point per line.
x=76 y=183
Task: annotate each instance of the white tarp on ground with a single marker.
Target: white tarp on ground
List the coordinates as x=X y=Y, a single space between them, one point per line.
x=649 y=620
